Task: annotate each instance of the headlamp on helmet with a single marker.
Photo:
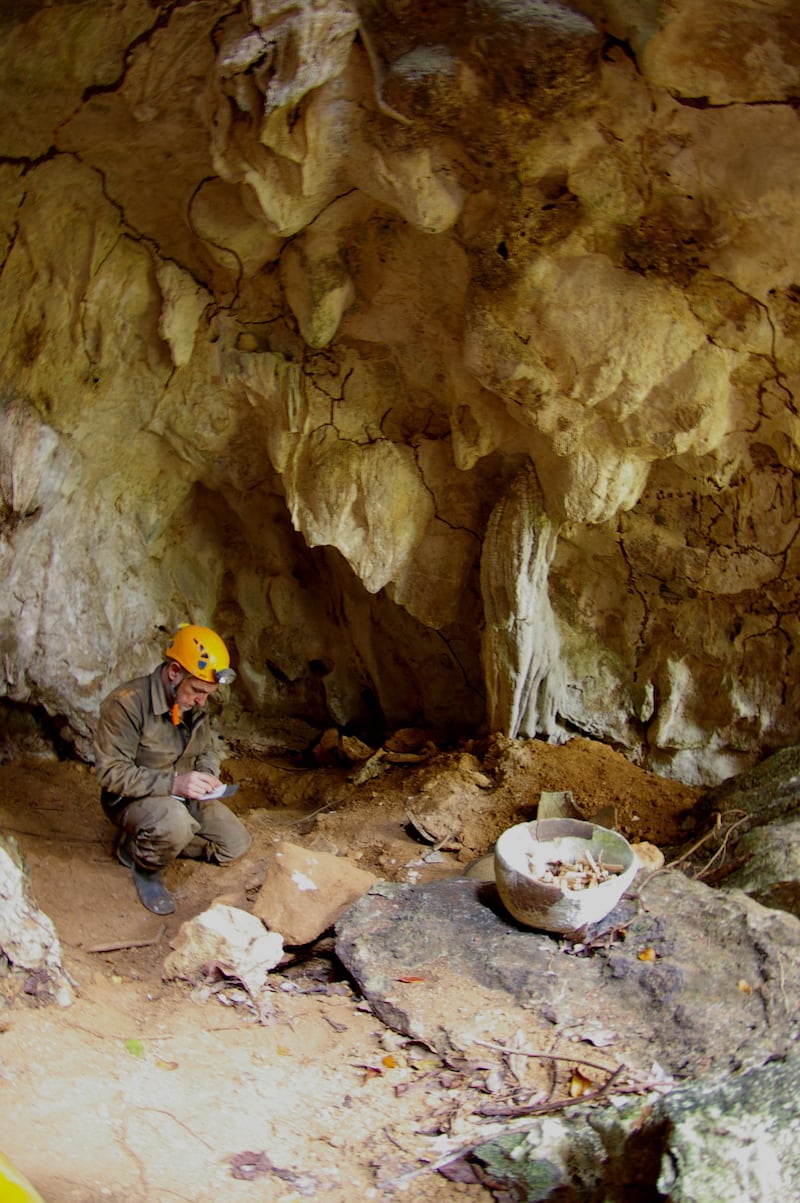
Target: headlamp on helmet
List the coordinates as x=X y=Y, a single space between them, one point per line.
x=202 y=653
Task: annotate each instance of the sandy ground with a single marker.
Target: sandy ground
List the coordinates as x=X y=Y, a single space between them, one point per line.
x=145 y=1090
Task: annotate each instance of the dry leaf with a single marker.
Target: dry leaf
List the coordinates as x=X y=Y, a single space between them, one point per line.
x=578 y=1085
x=599 y=1037
x=459 y=1171
x=744 y=986
x=647 y=954
x=517 y=1064
x=495 y=1080
x=370 y=1071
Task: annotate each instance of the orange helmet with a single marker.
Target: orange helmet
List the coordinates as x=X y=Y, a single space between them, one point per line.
x=202 y=653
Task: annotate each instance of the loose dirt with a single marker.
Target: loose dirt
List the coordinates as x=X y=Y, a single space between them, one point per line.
x=148 y=1091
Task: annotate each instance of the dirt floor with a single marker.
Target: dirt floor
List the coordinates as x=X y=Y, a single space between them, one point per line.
x=146 y=1090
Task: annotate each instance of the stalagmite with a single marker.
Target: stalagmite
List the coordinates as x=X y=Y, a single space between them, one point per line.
x=521 y=642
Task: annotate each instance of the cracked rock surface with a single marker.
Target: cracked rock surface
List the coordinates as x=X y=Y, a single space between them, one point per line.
x=636 y=985
x=443 y=357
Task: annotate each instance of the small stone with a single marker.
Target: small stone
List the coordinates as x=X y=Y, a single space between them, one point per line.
x=648 y=856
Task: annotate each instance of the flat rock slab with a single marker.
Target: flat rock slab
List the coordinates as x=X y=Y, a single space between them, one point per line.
x=682 y=981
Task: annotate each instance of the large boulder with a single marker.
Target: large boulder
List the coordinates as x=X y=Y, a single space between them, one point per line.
x=305 y=892
x=655 y=1055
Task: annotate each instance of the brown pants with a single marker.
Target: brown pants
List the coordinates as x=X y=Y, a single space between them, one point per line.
x=163 y=827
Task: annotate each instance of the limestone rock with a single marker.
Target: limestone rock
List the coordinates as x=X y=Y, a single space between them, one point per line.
x=706 y=994
x=650 y=857
x=521 y=642
x=769 y=70
x=227 y=941
x=183 y=305
x=354 y=749
x=769 y=790
x=755 y=831
x=705 y=1140
x=85 y=47
x=771 y=869
x=29 y=942
x=305 y=892
x=294 y=301
x=326 y=749
x=318 y=289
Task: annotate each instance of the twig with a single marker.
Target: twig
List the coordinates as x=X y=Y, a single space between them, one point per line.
x=699 y=843
x=607 y=937
x=312 y=813
x=395 y=1141
x=449 y=842
x=520 y=1052
x=637 y=893
x=722 y=848
x=714 y=879
x=123 y=944
x=550 y=1104
x=484 y=1139
x=179 y=1122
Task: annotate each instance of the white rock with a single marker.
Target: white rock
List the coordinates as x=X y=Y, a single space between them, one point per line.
x=28 y=937
x=227 y=939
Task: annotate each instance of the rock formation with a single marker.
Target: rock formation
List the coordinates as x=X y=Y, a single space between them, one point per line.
x=31 y=960
x=444 y=357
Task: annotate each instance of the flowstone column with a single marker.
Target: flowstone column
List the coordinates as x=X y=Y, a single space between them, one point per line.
x=521 y=641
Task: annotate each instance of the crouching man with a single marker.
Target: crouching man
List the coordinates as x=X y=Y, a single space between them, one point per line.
x=155 y=763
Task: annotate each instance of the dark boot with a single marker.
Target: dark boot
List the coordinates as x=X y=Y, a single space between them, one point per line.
x=151 y=890
x=148 y=882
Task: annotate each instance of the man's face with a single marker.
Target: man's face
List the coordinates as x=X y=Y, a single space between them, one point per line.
x=189 y=691
x=192 y=692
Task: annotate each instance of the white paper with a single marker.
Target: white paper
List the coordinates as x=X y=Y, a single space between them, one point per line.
x=223 y=791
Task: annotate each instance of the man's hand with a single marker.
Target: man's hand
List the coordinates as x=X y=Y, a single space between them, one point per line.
x=195 y=785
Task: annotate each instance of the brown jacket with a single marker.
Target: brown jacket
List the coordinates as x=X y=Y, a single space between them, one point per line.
x=138 y=749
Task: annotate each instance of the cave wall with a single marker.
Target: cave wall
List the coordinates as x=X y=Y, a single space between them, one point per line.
x=444 y=357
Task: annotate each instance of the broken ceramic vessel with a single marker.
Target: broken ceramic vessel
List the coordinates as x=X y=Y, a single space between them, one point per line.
x=545 y=873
